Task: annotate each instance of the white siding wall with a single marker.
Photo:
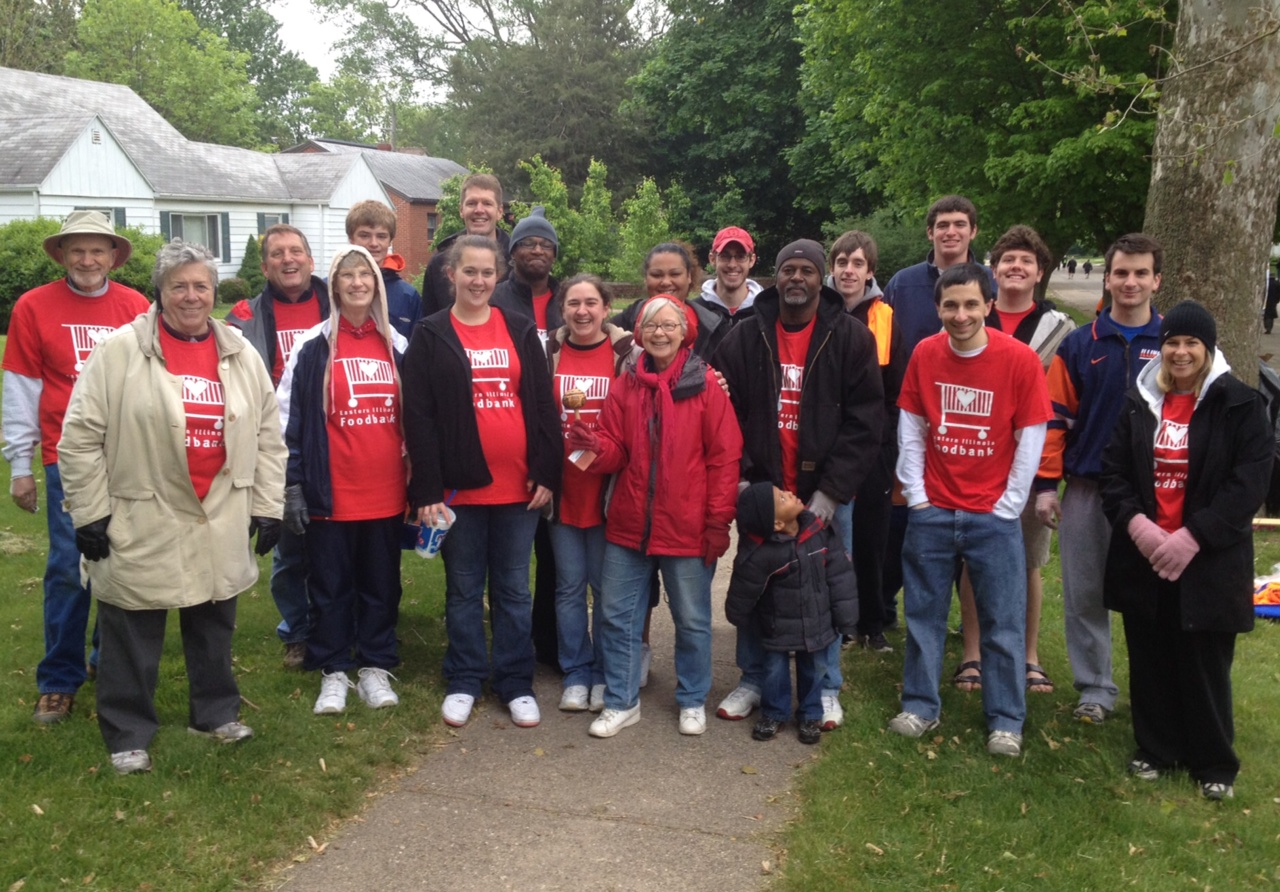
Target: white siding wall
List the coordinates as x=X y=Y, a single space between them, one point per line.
x=90 y=170
x=138 y=212
x=358 y=185
x=16 y=206
x=243 y=221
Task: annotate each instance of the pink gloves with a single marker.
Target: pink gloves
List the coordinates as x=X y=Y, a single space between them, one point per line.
x=583 y=437
x=1172 y=557
x=1146 y=535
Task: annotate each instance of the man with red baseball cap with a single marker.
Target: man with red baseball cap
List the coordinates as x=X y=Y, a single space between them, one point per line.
x=731 y=293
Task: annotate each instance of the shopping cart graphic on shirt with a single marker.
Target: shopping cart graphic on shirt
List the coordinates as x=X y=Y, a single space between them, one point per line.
x=968 y=402
x=595 y=388
x=203 y=395
x=285 y=341
x=84 y=338
x=1172 y=436
x=368 y=379
x=491 y=360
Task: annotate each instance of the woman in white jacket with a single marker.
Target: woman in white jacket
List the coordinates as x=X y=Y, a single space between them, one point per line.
x=171 y=454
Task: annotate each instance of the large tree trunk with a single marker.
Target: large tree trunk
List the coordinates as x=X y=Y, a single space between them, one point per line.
x=1215 y=177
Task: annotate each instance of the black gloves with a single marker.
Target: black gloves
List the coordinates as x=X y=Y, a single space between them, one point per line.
x=268 y=530
x=91 y=539
x=296 y=517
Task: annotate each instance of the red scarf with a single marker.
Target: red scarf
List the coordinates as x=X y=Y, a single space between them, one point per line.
x=659 y=406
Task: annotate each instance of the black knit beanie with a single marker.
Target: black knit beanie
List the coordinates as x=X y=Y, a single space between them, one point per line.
x=1189 y=318
x=755 y=509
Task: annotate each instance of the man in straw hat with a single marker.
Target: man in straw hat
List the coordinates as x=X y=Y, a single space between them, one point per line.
x=51 y=332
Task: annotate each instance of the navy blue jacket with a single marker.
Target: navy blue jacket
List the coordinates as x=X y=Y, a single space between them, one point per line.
x=910 y=293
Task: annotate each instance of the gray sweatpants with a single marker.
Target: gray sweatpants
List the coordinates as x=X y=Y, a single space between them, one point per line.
x=1083 y=538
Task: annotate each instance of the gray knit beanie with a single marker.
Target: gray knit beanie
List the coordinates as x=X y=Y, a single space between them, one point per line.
x=535 y=225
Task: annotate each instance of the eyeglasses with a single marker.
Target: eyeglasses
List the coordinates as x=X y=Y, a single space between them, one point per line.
x=533 y=244
x=667 y=327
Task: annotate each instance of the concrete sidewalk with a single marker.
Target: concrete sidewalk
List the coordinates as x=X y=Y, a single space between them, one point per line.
x=550 y=808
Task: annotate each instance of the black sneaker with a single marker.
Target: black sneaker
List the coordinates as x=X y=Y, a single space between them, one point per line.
x=876 y=642
x=767 y=729
x=809 y=732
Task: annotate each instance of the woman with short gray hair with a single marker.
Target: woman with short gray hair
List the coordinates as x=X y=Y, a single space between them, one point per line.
x=171 y=450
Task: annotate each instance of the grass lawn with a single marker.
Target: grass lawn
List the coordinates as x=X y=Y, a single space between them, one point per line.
x=884 y=812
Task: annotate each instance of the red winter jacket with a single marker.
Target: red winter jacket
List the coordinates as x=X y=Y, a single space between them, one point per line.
x=661 y=510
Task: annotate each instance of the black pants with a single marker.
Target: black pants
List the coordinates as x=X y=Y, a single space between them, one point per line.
x=353 y=576
x=129 y=667
x=891 y=569
x=871 y=516
x=1180 y=693
x=546 y=643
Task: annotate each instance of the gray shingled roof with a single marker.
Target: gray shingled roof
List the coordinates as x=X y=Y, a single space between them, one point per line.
x=174 y=165
x=416 y=177
x=24 y=162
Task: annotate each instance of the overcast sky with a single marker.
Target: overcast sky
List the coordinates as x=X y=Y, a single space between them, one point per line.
x=302 y=31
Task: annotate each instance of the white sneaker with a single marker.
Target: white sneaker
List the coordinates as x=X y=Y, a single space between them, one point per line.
x=375 y=690
x=740 y=703
x=1004 y=743
x=333 y=693
x=524 y=712
x=597 y=698
x=693 y=720
x=646 y=660
x=908 y=724
x=130 y=761
x=456 y=709
x=575 y=698
x=832 y=712
x=228 y=733
x=611 y=721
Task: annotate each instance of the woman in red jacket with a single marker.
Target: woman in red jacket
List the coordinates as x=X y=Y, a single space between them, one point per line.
x=669 y=432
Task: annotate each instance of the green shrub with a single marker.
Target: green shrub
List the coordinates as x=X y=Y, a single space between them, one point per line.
x=232 y=291
x=24 y=265
x=901 y=243
x=251 y=267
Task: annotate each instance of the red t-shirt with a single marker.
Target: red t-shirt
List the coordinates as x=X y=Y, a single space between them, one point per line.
x=540 y=303
x=366 y=445
x=495 y=389
x=589 y=369
x=973 y=405
x=51 y=332
x=292 y=320
x=1171 y=454
x=196 y=364
x=1009 y=322
x=793 y=350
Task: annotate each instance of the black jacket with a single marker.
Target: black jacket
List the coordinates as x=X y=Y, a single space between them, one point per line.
x=437 y=291
x=440 y=420
x=841 y=401
x=515 y=296
x=882 y=475
x=256 y=319
x=1229 y=467
x=798 y=592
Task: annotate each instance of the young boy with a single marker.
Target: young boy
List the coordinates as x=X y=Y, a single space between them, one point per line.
x=372 y=226
x=793 y=583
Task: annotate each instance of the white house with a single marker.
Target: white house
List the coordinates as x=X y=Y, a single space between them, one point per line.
x=68 y=144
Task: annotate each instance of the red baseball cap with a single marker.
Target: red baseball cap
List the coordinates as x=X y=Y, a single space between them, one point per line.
x=733 y=234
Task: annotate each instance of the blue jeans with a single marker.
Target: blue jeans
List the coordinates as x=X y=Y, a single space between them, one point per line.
x=992 y=549
x=579 y=561
x=752 y=659
x=66 y=601
x=289 y=587
x=623 y=604
x=493 y=542
x=775 y=701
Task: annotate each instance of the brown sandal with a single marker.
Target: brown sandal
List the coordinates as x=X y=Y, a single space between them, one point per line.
x=1044 y=681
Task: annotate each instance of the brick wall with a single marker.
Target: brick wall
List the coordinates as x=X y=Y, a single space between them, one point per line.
x=412 y=240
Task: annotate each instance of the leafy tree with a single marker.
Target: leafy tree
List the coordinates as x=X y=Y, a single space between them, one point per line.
x=598 y=235
x=279 y=76
x=347 y=107
x=187 y=74
x=35 y=35
x=644 y=224
x=899 y=242
x=720 y=97
x=913 y=99
x=250 y=271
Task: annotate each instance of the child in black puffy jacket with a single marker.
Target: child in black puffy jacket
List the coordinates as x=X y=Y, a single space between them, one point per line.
x=794 y=584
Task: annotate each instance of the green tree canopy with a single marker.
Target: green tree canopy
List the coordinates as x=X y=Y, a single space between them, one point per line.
x=189 y=75
x=913 y=99
x=36 y=34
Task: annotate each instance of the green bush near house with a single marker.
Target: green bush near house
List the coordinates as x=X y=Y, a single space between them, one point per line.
x=232 y=291
x=251 y=266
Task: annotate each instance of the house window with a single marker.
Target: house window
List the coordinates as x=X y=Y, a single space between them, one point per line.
x=200 y=229
x=266 y=221
x=433 y=222
x=115 y=215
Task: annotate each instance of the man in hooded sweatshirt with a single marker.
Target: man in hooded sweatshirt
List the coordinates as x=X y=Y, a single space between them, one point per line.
x=731 y=293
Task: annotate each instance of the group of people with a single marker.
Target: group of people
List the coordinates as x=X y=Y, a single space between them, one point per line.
x=860 y=438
